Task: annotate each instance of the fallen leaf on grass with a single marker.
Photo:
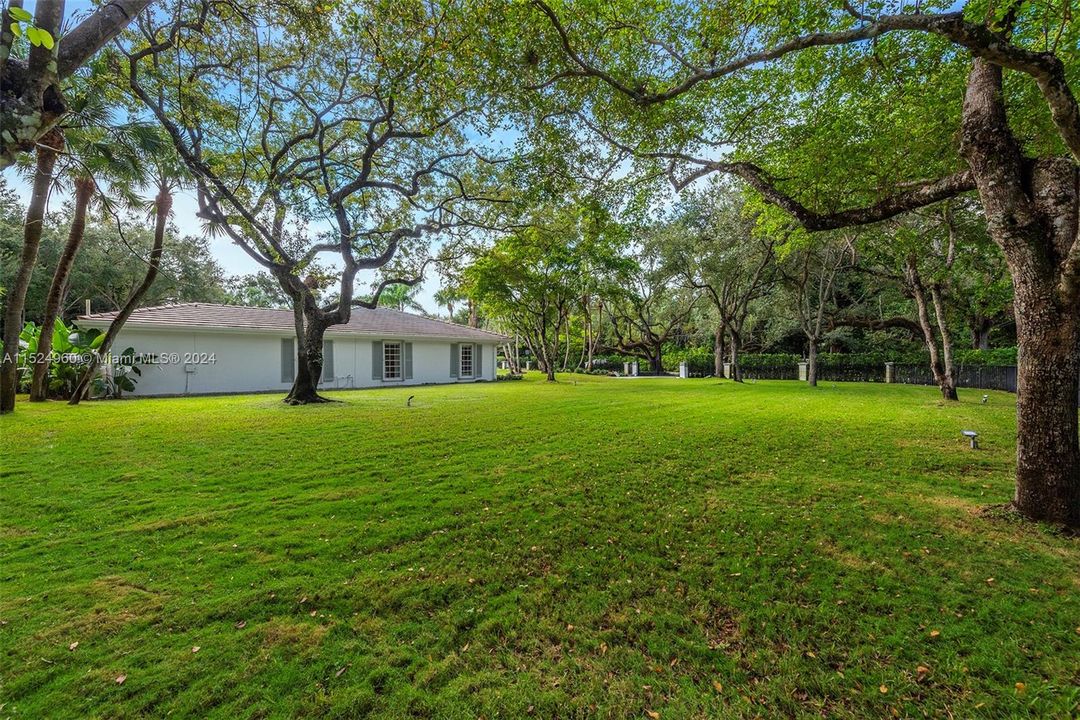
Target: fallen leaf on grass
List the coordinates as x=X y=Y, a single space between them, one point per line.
x=196 y=649
x=719 y=686
x=120 y=679
x=241 y=625
x=883 y=689
x=653 y=714
x=935 y=633
x=341 y=671
x=73 y=645
x=1020 y=687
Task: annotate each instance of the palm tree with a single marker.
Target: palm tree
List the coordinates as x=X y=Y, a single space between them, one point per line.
x=448 y=296
x=169 y=174
x=97 y=150
x=401 y=296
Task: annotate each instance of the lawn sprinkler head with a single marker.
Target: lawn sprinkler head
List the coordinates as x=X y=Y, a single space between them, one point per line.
x=986 y=399
x=408 y=403
x=973 y=436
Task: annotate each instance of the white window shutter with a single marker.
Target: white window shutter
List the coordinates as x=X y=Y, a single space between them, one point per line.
x=407 y=359
x=455 y=360
x=478 y=360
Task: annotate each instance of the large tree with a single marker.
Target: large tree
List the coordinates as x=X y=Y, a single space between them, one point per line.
x=844 y=116
x=336 y=136
x=811 y=267
x=712 y=247
x=531 y=280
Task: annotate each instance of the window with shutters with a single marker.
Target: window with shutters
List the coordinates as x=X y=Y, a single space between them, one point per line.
x=466 y=360
x=391 y=361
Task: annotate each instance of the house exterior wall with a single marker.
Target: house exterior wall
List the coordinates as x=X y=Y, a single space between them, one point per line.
x=208 y=362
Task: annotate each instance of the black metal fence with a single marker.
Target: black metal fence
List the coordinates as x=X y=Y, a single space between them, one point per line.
x=983 y=377
x=852 y=373
x=770 y=372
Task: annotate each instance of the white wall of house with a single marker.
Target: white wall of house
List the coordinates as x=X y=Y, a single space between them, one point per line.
x=251 y=361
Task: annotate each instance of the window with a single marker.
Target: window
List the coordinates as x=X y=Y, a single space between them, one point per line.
x=466 y=360
x=391 y=361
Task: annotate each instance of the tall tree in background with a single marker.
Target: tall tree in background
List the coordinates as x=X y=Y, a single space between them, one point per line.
x=167 y=174
x=530 y=280
x=712 y=247
x=648 y=312
x=816 y=114
x=810 y=267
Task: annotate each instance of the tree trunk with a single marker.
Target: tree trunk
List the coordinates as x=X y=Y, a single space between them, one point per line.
x=811 y=362
x=162 y=207
x=946 y=343
x=718 y=350
x=473 y=319
x=15 y=298
x=736 y=347
x=1048 y=371
x=1032 y=209
x=942 y=372
x=656 y=362
x=54 y=303
x=980 y=332
x=309 y=366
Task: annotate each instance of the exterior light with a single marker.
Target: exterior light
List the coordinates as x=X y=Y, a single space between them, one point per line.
x=973 y=436
x=986 y=398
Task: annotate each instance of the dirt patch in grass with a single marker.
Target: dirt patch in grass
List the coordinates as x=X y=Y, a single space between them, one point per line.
x=720 y=628
x=115 y=603
x=292 y=636
x=176 y=522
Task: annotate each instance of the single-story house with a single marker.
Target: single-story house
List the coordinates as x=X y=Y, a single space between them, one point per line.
x=201 y=348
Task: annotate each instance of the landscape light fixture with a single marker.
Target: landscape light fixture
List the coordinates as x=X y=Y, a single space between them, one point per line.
x=971 y=435
x=408 y=403
x=985 y=399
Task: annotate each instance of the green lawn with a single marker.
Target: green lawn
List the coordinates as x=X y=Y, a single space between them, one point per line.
x=596 y=548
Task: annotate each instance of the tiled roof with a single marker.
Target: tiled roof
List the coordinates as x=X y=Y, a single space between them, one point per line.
x=380 y=322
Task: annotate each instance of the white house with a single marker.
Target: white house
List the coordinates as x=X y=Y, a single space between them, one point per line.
x=200 y=348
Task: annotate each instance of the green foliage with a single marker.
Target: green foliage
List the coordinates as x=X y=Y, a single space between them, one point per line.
x=72 y=350
x=597 y=548
x=69 y=356
x=22 y=26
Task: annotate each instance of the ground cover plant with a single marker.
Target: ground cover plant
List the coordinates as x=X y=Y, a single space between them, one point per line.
x=593 y=548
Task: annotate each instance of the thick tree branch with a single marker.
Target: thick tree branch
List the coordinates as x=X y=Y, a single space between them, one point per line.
x=94 y=32
x=1045 y=68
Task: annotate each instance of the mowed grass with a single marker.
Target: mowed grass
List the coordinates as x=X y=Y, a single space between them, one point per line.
x=595 y=548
